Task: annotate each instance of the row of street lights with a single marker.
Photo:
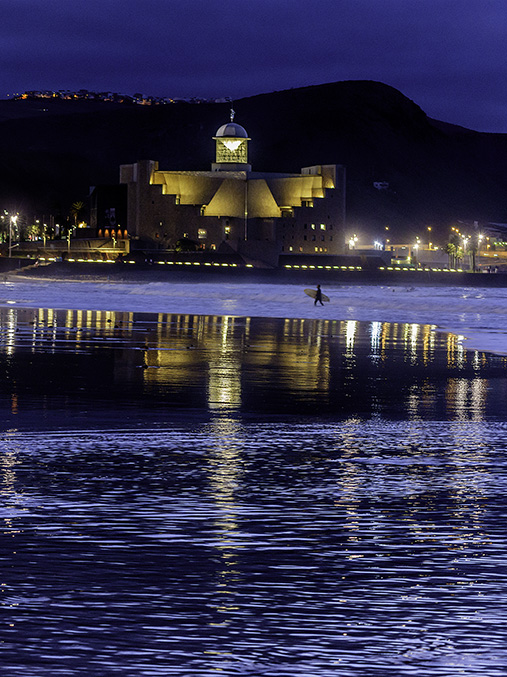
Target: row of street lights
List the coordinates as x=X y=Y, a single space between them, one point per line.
x=352 y=241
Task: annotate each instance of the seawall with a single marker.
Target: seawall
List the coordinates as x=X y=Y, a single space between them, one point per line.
x=102 y=272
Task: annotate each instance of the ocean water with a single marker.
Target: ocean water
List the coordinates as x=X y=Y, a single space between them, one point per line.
x=192 y=489
x=477 y=315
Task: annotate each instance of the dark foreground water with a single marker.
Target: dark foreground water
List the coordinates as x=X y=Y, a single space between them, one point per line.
x=189 y=495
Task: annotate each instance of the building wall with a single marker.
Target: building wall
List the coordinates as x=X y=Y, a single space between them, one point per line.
x=108 y=211
x=278 y=212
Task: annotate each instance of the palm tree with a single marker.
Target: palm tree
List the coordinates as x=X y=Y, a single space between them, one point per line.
x=75 y=210
x=452 y=252
x=184 y=244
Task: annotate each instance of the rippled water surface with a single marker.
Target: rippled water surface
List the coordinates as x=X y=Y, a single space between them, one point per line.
x=188 y=496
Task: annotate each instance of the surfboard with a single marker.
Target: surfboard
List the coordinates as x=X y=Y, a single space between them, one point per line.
x=313 y=294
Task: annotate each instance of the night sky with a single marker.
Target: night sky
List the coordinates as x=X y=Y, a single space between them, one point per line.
x=449 y=56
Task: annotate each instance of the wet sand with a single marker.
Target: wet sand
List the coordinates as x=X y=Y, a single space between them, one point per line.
x=82 y=365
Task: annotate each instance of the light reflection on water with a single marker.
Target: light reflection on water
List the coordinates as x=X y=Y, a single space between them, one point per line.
x=255 y=549
x=189 y=495
x=242 y=363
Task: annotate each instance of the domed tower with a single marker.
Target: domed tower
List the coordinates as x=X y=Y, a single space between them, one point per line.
x=231 y=148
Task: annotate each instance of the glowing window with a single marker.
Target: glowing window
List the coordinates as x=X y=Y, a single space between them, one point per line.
x=202 y=233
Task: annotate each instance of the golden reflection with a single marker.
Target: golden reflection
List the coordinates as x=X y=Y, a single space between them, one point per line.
x=466 y=399
x=428 y=343
x=421 y=400
x=225 y=471
x=218 y=355
x=413 y=402
x=456 y=353
x=11 y=498
x=224 y=371
x=69 y=323
x=414 y=338
x=8 y=462
x=379 y=334
x=395 y=331
x=224 y=384
x=349 y=499
x=350 y=484
x=298 y=355
x=10 y=338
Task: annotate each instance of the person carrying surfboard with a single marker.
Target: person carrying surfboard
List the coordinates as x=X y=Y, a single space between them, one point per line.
x=318 y=296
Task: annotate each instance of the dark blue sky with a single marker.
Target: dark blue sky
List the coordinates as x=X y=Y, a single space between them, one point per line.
x=449 y=56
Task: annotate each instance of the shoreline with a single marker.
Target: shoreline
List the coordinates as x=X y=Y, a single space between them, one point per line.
x=228 y=294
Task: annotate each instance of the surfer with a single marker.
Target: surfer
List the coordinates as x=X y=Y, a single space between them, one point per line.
x=318 y=296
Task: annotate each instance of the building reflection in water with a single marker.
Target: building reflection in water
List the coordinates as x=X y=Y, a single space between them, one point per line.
x=377 y=342
x=13 y=499
x=224 y=369
x=224 y=465
x=230 y=364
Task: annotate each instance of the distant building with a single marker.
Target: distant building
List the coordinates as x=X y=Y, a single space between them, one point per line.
x=496 y=231
x=108 y=211
x=259 y=215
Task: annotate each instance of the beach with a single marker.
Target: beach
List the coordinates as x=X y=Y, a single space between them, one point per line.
x=203 y=477
x=476 y=311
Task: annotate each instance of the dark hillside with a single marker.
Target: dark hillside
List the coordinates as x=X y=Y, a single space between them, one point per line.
x=51 y=152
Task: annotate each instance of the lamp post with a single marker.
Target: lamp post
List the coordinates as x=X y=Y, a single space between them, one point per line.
x=12 y=222
x=69 y=234
x=465 y=250
x=352 y=242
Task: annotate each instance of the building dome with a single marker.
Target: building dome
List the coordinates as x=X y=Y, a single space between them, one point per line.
x=231 y=129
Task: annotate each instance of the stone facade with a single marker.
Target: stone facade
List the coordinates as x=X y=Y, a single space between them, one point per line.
x=260 y=215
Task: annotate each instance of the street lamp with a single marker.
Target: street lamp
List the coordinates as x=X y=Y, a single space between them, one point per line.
x=353 y=242
x=416 y=250
x=69 y=233
x=12 y=222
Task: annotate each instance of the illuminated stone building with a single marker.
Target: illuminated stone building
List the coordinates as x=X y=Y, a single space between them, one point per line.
x=259 y=215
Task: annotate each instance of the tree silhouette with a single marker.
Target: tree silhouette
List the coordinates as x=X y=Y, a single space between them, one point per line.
x=75 y=210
